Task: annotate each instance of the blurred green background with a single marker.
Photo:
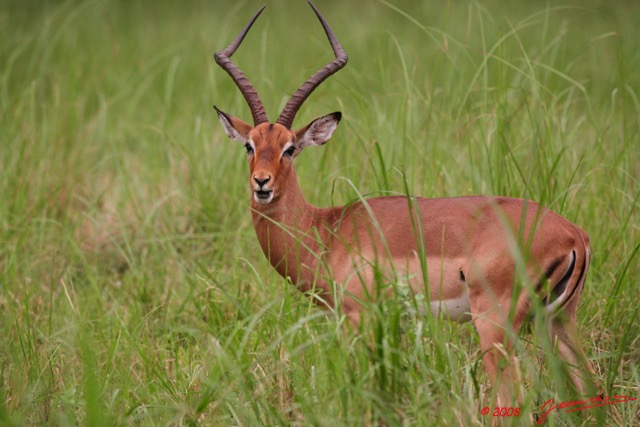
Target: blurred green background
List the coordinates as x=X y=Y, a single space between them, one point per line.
x=132 y=288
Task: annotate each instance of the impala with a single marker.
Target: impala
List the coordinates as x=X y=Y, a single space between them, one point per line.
x=462 y=253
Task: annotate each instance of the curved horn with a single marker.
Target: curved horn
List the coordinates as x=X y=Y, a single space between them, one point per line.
x=298 y=98
x=246 y=88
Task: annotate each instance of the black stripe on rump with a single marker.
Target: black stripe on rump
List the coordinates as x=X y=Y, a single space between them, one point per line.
x=582 y=273
x=561 y=286
x=547 y=274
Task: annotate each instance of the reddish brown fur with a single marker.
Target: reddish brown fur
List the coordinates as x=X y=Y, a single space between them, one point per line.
x=475 y=238
x=470 y=244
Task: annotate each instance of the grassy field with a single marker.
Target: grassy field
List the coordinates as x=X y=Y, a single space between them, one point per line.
x=132 y=288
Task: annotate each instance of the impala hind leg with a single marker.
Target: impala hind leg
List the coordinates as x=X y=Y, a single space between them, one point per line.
x=563 y=332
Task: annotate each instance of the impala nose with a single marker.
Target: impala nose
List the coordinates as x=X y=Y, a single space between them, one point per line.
x=261 y=182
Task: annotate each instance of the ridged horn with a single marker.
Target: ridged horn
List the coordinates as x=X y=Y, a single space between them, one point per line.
x=223 y=59
x=291 y=109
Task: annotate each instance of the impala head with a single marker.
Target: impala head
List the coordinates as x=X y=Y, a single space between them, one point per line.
x=271 y=147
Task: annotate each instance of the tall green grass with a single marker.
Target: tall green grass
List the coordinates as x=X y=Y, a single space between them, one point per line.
x=132 y=288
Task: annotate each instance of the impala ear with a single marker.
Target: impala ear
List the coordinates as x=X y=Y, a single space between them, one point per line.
x=318 y=131
x=236 y=129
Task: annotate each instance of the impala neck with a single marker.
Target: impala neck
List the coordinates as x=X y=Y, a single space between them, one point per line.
x=291 y=232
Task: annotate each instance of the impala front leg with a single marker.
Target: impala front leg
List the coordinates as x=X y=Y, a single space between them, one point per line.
x=497 y=335
x=497 y=356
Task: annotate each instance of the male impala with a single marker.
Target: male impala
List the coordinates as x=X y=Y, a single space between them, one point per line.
x=470 y=244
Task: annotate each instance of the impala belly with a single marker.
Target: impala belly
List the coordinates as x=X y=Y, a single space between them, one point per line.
x=403 y=277
x=456 y=309
x=449 y=295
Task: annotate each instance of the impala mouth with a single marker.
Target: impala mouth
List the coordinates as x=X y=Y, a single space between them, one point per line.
x=263 y=196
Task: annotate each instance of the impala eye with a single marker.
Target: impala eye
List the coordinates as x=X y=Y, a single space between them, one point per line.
x=289 y=151
x=249 y=148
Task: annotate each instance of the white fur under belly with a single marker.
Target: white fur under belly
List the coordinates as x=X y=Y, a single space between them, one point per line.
x=456 y=309
x=449 y=294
